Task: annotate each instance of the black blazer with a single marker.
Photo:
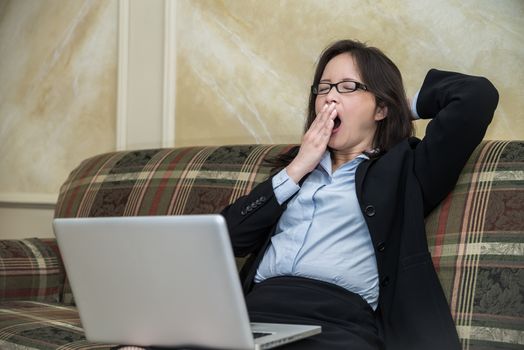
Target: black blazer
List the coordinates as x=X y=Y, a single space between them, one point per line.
x=395 y=192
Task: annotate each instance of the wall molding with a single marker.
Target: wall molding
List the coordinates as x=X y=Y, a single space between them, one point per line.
x=28 y=200
x=146 y=74
x=123 y=62
x=169 y=96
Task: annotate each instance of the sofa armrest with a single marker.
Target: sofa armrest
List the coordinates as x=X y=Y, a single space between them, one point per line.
x=30 y=269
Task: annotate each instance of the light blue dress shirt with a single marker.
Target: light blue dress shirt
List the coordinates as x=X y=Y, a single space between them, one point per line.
x=322 y=234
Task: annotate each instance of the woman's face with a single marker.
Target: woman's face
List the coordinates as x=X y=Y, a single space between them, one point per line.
x=357 y=111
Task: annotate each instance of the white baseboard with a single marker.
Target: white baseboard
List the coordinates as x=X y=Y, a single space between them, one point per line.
x=28 y=200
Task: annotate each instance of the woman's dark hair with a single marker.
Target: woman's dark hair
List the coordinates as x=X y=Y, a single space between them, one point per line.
x=383 y=80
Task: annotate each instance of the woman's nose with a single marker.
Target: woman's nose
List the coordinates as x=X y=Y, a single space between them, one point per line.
x=332 y=96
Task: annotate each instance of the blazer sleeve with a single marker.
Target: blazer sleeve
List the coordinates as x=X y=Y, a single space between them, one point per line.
x=251 y=218
x=461 y=108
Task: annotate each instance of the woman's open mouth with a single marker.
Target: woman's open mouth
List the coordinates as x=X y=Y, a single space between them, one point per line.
x=337 y=122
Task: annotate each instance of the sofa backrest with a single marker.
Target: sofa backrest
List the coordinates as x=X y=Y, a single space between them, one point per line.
x=176 y=181
x=476 y=235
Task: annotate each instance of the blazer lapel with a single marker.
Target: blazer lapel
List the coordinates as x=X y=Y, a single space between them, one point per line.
x=360 y=175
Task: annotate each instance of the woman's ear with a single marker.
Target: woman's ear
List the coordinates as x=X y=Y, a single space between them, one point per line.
x=381 y=112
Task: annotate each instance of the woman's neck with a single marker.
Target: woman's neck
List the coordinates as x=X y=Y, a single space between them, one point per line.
x=340 y=158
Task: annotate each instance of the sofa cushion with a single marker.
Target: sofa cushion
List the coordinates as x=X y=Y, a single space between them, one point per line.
x=476 y=237
x=43 y=326
x=30 y=269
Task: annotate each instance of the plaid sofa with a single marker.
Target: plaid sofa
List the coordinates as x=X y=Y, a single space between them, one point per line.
x=475 y=236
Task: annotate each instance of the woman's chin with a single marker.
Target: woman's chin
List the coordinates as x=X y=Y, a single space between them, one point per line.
x=333 y=144
x=337 y=143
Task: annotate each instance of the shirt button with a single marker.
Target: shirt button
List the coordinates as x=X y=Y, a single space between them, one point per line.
x=370 y=210
x=381 y=246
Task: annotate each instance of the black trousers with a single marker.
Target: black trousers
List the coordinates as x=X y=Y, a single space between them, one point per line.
x=347 y=320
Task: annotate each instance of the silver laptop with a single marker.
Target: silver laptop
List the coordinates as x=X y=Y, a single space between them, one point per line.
x=162 y=281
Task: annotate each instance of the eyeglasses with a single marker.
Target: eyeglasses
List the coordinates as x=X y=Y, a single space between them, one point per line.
x=342 y=87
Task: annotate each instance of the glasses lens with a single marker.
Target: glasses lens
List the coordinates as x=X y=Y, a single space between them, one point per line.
x=323 y=89
x=347 y=86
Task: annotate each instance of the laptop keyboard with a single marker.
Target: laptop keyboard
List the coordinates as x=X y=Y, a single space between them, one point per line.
x=260 y=334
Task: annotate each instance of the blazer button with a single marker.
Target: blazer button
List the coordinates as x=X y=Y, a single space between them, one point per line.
x=262 y=199
x=242 y=212
x=381 y=247
x=370 y=210
x=385 y=281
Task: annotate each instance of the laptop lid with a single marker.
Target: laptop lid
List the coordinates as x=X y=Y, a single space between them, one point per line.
x=159 y=280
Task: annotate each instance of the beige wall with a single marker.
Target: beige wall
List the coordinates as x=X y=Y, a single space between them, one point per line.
x=70 y=69
x=57 y=89
x=244 y=67
x=57 y=101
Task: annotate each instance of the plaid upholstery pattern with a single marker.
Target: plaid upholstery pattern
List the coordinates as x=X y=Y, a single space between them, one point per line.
x=190 y=180
x=30 y=269
x=26 y=325
x=475 y=235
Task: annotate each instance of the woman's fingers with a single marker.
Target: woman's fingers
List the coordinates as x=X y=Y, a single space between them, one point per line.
x=320 y=130
x=327 y=124
x=322 y=118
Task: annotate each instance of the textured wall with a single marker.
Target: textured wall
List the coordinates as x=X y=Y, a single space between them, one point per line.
x=58 y=79
x=243 y=70
x=244 y=67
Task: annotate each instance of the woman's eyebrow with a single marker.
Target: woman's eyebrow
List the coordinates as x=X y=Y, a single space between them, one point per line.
x=344 y=79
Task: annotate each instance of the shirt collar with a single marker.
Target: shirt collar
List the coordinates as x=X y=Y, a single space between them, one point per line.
x=325 y=161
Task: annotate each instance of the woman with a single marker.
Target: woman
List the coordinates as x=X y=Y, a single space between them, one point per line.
x=337 y=235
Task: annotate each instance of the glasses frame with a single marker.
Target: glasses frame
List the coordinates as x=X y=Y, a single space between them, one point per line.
x=358 y=86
